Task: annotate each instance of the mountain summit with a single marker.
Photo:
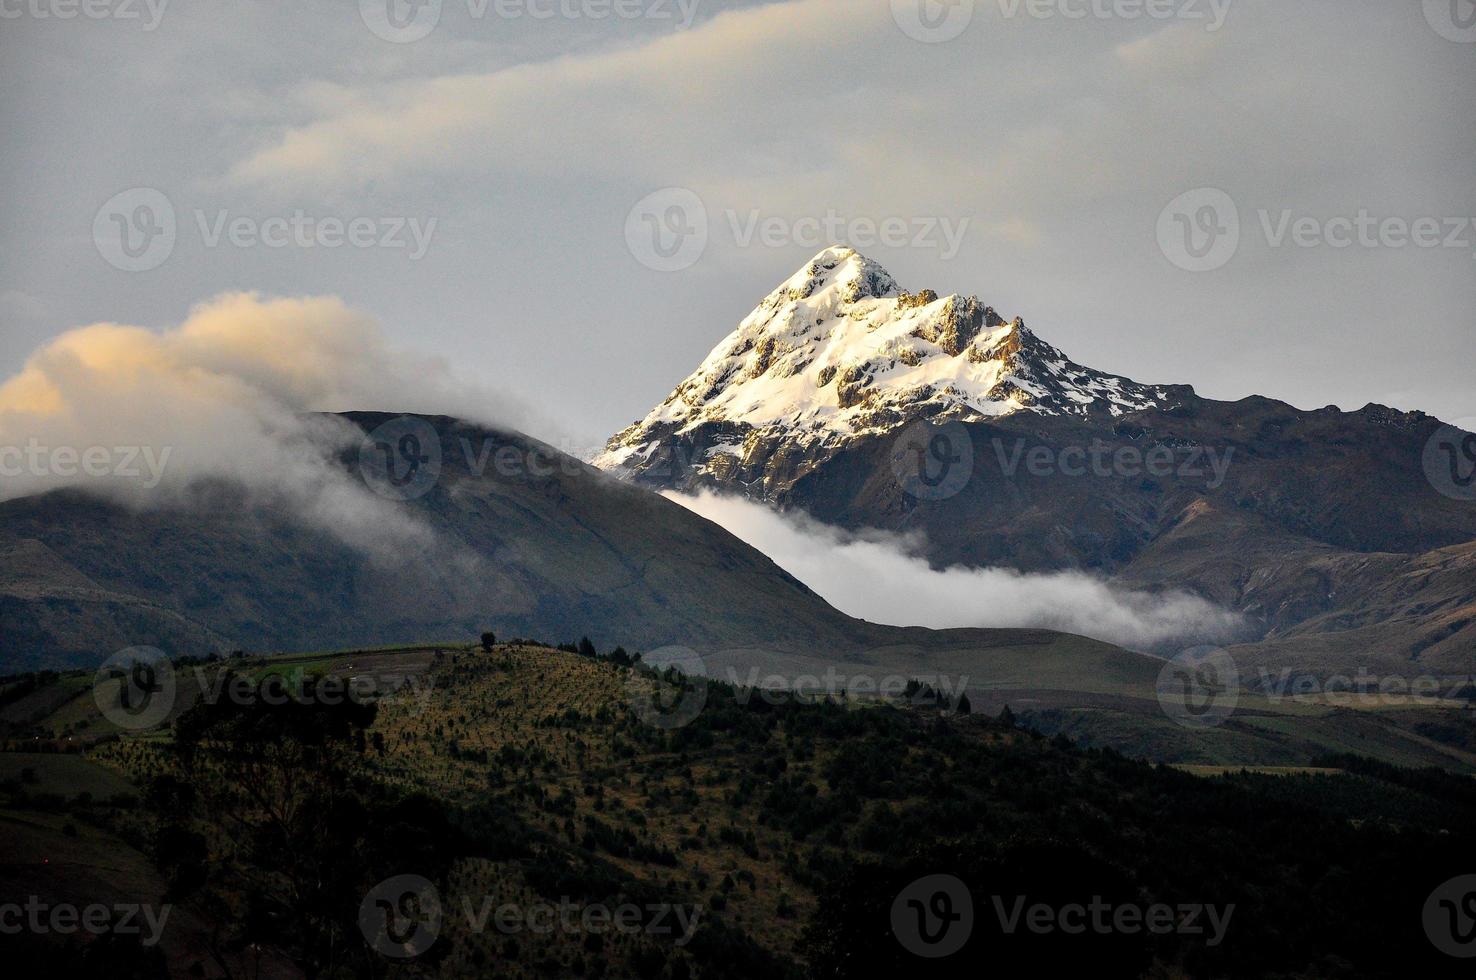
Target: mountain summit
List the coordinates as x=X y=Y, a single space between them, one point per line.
x=1319 y=527
x=839 y=350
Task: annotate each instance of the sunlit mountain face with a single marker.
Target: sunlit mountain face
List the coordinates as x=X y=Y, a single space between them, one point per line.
x=566 y=489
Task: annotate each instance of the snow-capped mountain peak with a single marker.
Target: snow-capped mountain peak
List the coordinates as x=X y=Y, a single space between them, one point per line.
x=839 y=351
x=837 y=273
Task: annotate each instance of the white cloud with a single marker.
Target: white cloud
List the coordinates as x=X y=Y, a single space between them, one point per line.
x=585 y=112
x=528 y=141
x=775 y=105
x=881 y=577
x=226 y=394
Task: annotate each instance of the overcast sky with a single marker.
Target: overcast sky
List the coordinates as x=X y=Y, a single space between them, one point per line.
x=1050 y=147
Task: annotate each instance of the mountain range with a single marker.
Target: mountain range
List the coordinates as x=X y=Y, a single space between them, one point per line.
x=864 y=405
x=556 y=550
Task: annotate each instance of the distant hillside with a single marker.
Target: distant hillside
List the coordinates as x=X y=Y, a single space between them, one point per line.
x=554 y=549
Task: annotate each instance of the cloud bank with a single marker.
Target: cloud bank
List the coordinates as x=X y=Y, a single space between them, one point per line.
x=881 y=576
x=142 y=416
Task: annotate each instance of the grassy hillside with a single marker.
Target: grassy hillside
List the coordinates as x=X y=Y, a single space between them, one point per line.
x=760 y=837
x=1095 y=694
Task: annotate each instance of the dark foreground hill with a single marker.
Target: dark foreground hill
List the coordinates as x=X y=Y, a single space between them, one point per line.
x=517 y=813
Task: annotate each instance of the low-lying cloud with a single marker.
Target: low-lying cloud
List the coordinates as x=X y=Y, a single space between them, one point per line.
x=881 y=576
x=142 y=416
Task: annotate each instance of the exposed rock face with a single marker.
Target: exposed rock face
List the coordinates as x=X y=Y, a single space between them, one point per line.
x=839 y=352
x=1321 y=527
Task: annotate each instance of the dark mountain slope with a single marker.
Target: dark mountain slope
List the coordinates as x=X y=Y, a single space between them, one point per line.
x=558 y=550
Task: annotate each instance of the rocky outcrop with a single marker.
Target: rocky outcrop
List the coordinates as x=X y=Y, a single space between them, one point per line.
x=839 y=352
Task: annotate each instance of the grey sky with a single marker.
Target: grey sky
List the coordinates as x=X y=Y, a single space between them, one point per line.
x=529 y=140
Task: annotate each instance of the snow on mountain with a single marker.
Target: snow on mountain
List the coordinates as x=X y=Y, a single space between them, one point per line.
x=840 y=351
